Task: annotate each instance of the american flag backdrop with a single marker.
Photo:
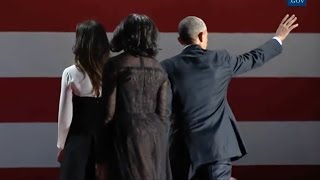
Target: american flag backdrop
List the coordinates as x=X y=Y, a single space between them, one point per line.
x=277 y=105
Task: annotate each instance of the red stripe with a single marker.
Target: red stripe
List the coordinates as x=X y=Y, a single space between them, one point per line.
x=220 y=16
x=252 y=99
x=283 y=99
x=294 y=172
x=29 y=173
x=29 y=99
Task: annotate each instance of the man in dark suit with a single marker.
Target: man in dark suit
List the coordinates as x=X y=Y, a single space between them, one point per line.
x=204 y=135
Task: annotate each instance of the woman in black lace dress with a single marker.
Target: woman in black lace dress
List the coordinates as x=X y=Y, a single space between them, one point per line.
x=137 y=91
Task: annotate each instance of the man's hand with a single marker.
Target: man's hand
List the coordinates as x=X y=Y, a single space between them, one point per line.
x=60 y=155
x=286 y=26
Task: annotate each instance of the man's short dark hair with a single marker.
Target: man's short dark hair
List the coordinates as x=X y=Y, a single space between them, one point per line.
x=190 y=27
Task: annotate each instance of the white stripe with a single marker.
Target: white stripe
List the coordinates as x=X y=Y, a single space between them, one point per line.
x=269 y=143
x=45 y=54
x=28 y=145
x=281 y=143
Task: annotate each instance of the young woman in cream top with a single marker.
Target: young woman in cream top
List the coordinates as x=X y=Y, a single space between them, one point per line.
x=81 y=110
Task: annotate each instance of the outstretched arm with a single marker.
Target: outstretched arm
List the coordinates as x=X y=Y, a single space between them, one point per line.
x=257 y=57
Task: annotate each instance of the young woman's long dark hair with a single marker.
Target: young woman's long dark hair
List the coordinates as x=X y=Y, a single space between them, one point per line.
x=91 y=51
x=136 y=34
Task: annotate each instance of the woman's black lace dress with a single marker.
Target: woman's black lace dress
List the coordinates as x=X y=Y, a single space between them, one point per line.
x=137 y=91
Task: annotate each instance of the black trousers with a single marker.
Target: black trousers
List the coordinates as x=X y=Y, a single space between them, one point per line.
x=179 y=157
x=78 y=160
x=220 y=170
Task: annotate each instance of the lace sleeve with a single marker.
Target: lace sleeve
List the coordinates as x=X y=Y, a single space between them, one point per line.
x=164 y=101
x=109 y=89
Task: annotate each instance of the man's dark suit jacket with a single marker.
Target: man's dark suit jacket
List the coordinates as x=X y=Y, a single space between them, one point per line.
x=200 y=80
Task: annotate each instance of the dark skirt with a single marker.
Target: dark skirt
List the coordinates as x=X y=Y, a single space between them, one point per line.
x=78 y=158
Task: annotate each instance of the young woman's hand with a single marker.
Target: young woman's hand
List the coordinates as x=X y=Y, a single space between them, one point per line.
x=60 y=155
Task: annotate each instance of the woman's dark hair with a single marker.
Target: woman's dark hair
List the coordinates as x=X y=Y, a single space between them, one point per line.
x=91 y=51
x=136 y=34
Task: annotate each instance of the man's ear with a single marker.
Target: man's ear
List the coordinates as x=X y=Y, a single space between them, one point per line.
x=180 y=41
x=200 y=36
